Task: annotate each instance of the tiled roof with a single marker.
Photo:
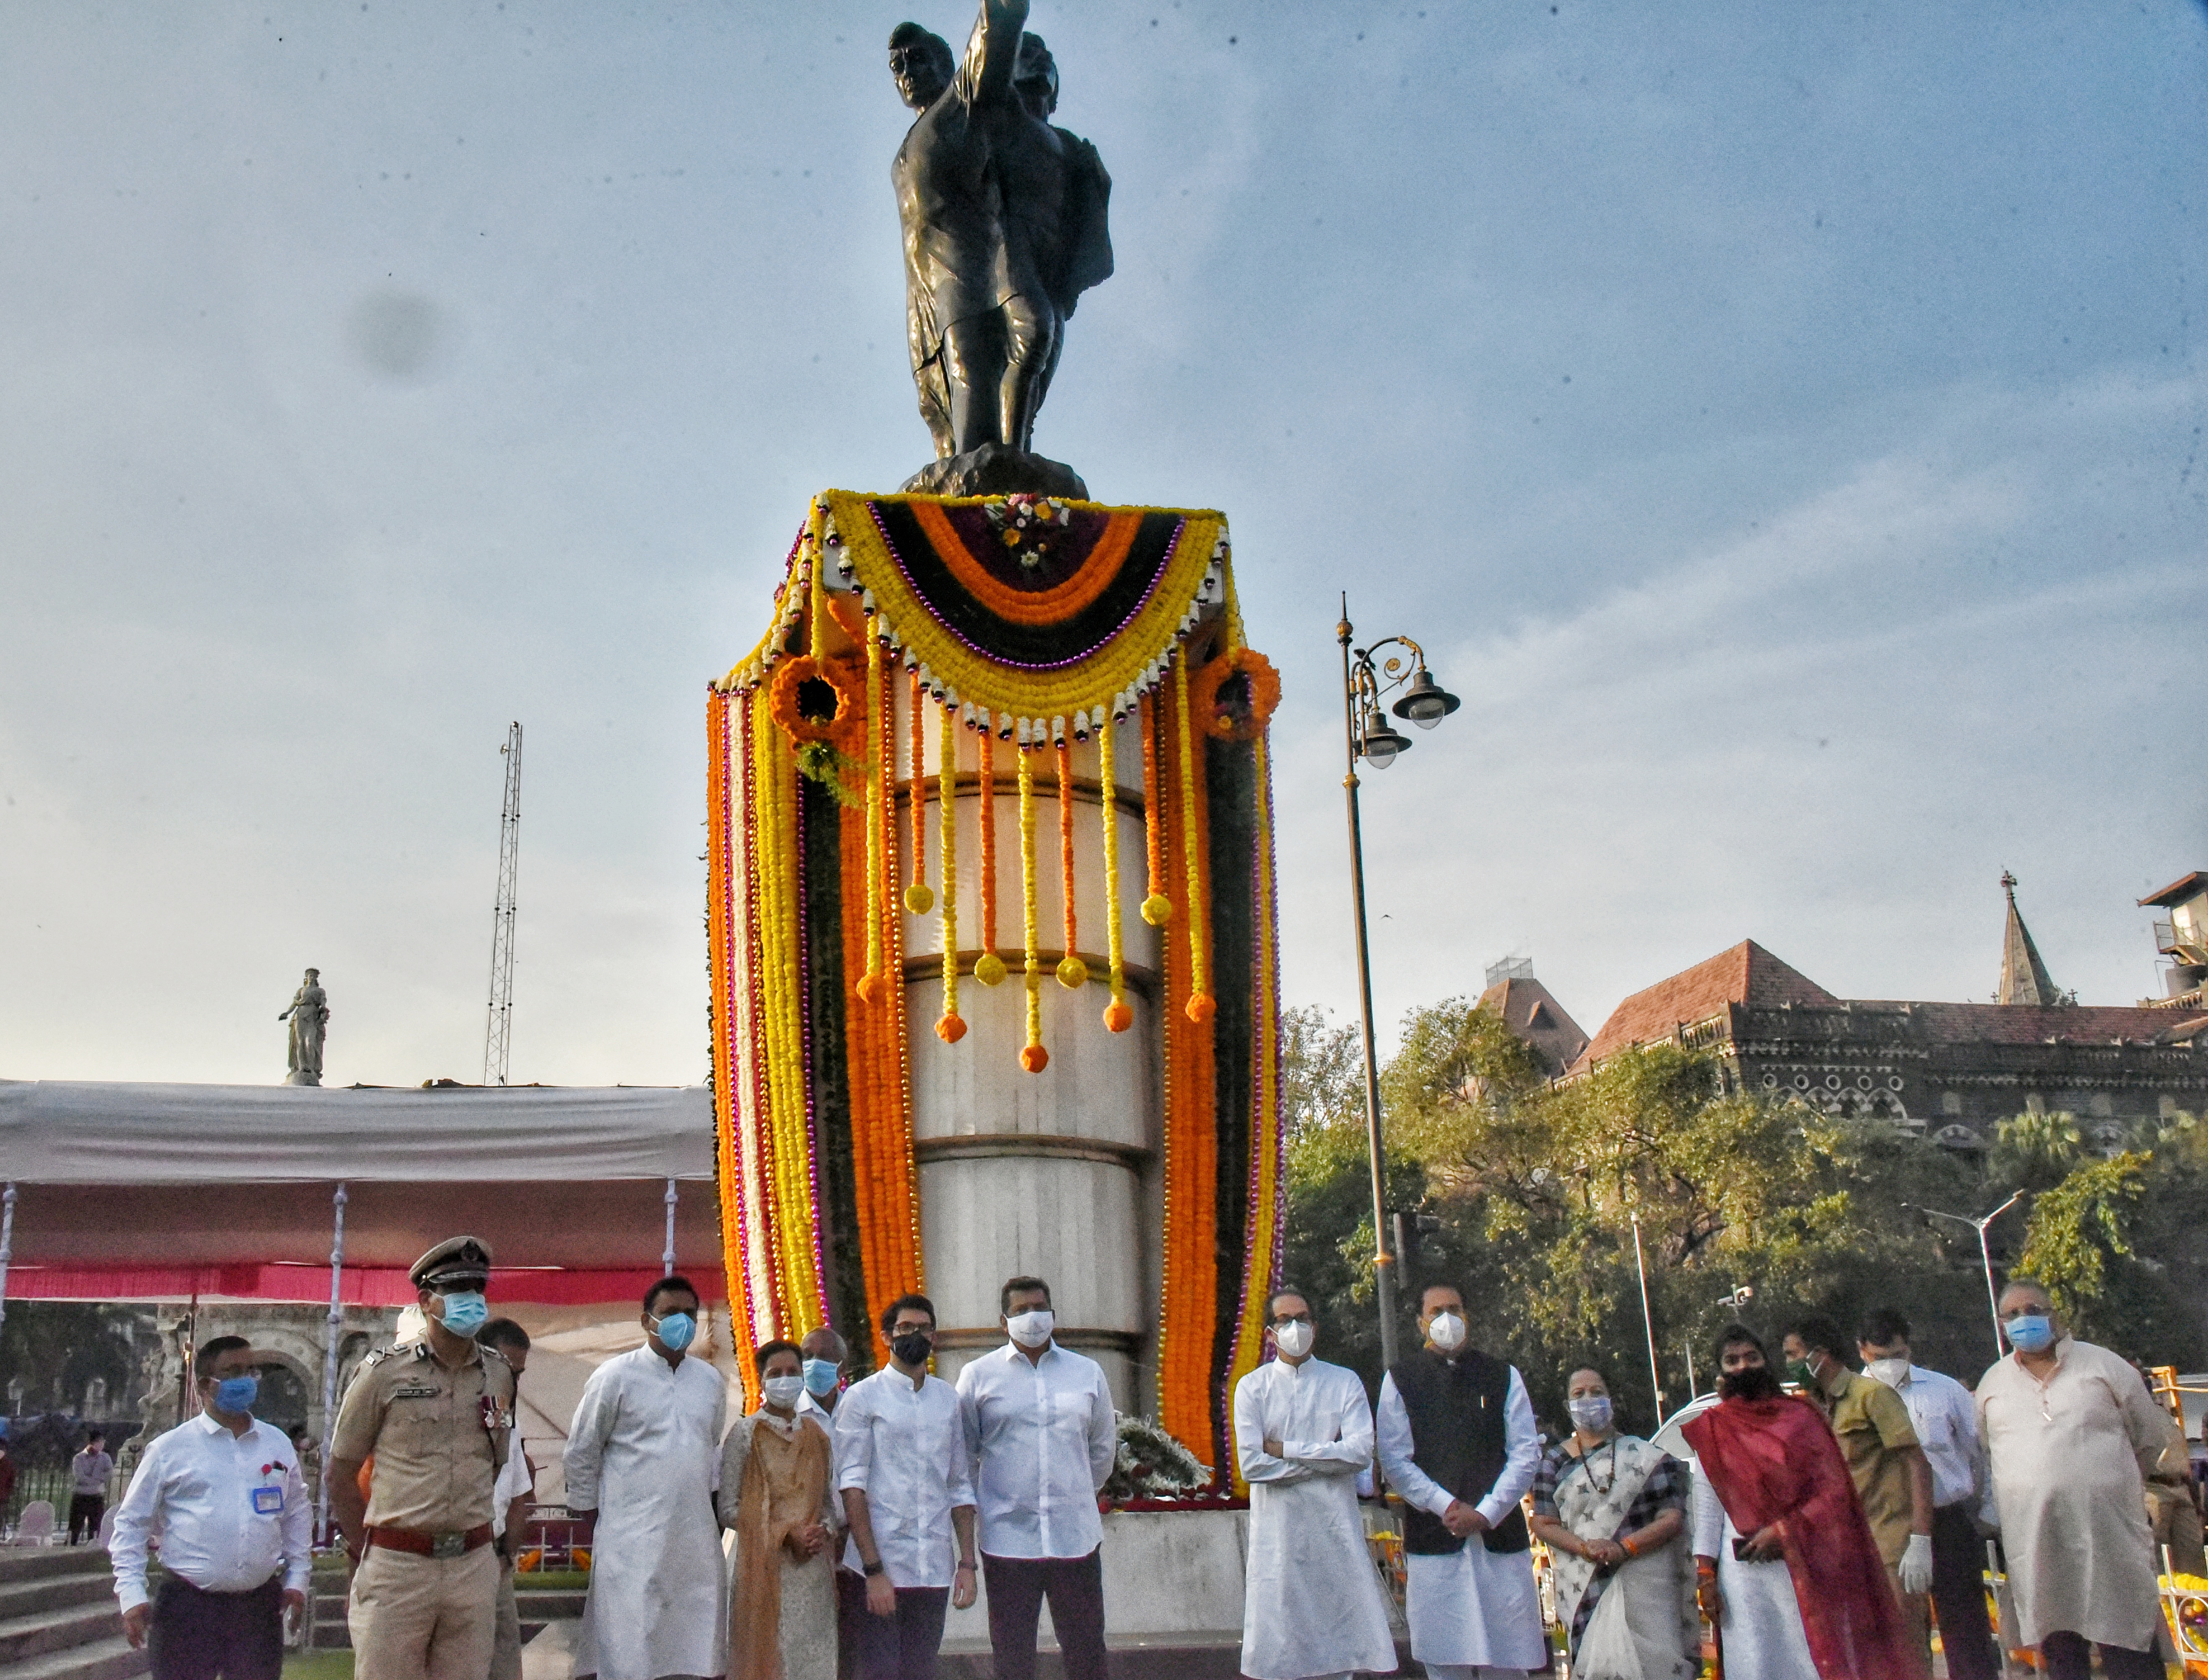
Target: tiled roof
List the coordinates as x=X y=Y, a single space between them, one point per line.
x=1747 y=973
x=1531 y=1011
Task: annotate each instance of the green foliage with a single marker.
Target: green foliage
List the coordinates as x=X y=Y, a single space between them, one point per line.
x=1321 y=1071
x=2034 y=1151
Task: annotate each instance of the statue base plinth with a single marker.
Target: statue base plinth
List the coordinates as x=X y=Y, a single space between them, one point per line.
x=302 y=1078
x=997 y=469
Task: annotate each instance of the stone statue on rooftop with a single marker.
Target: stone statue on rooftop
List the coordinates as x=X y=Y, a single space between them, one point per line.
x=309 y=1016
x=1005 y=226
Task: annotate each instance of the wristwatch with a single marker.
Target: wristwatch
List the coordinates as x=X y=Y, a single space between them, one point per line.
x=874 y=1567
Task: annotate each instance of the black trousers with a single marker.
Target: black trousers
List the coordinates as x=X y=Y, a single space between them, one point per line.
x=2069 y=1657
x=850 y=1622
x=86 y=1510
x=903 y=1647
x=1075 y=1587
x=200 y=1636
x=1959 y=1595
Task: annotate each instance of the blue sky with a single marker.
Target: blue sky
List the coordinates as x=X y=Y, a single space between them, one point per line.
x=1782 y=425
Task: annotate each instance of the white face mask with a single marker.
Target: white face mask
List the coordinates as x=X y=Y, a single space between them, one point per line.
x=1446 y=1331
x=1032 y=1329
x=782 y=1390
x=1892 y=1372
x=1293 y=1339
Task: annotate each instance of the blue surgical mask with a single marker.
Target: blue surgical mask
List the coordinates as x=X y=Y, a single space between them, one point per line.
x=676 y=1331
x=466 y=1312
x=821 y=1375
x=237 y=1394
x=2029 y=1332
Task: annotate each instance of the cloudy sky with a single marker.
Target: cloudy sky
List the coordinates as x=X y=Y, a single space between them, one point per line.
x=1781 y=424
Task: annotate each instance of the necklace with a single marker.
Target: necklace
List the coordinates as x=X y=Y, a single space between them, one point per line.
x=1605 y=1485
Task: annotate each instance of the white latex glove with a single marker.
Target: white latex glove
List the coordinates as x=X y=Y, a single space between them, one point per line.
x=1916 y=1564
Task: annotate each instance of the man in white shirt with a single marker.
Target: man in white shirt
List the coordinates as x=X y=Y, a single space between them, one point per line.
x=88 y=1473
x=223 y=1496
x=1303 y=1432
x=509 y=1503
x=1946 y=1419
x=1458 y=1441
x=643 y=1461
x=902 y=1469
x=1040 y=1426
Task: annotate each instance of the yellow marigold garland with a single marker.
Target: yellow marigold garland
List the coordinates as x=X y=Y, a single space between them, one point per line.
x=1033 y=1056
x=1118 y=1017
x=952 y=1027
x=988 y=968
x=1072 y=972
x=919 y=897
x=1157 y=908
x=1200 y=1004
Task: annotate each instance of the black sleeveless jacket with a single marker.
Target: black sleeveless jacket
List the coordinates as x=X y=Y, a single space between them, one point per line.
x=1458 y=1439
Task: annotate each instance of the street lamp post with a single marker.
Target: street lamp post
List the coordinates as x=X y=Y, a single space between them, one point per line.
x=1985 y=1254
x=1368 y=735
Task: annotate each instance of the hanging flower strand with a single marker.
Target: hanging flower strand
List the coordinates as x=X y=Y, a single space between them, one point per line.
x=988 y=968
x=873 y=987
x=952 y=1027
x=1118 y=1017
x=1033 y=1056
x=919 y=897
x=1200 y=1007
x=1157 y=908
x=1072 y=972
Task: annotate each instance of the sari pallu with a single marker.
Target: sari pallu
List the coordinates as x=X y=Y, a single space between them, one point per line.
x=1640 y=1622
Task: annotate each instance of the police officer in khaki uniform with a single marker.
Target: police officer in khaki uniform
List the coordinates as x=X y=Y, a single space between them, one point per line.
x=436 y=1420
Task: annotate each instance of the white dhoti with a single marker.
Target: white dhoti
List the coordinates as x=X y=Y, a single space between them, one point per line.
x=1761 y=1633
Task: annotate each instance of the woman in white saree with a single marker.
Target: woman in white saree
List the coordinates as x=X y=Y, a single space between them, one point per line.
x=1611 y=1509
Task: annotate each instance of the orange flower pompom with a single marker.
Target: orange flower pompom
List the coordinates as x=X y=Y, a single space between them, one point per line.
x=1233 y=697
x=951 y=1028
x=1201 y=1008
x=1118 y=1017
x=871 y=989
x=1033 y=1057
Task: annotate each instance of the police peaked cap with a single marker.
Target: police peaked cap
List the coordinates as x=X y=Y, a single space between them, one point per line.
x=462 y=1262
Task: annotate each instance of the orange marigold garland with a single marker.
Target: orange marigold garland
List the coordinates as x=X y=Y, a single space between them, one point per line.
x=988 y=968
x=919 y=897
x=1118 y=1017
x=1235 y=695
x=1200 y=1004
x=1157 y=908
x=1072 y=972
x=1033 y=1056
x=952 y=1026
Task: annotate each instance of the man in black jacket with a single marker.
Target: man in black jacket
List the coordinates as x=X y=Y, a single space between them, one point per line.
x=1457 y=1440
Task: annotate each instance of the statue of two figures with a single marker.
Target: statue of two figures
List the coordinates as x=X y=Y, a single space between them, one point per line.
x=309 y=1016
x=1005 y=228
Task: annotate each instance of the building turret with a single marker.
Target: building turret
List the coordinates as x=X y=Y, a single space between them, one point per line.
x=2024 y=977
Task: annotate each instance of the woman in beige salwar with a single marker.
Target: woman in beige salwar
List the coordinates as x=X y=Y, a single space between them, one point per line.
x=1611 y=1508
x=777 y=1493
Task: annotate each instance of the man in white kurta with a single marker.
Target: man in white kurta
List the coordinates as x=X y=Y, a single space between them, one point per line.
x=1473 y=1609
x=1313 y=1603
x=643 y=1463
x=2067 y=1427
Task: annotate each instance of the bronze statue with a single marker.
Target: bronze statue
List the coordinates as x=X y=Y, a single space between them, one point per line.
x=1005 y=227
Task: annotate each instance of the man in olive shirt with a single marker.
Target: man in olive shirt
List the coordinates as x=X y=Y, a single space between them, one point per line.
x=1893 y=1477
x=437 y=1420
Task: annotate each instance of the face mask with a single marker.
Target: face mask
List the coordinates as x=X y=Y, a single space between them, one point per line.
x=465 y=1310
x=1446 y=1331
x=1592 y=1414
x=783 y=1391
x=1293 y=1339
x=1032 y=1329
x=1892 y=1372
x=821 y=1375
x=913 y=1346
x=1798 y=1371
x=676 y=1331
x=2029 y=1332
x=237 y=1394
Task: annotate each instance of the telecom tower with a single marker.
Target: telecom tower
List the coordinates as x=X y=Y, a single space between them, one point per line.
x=498 y=1033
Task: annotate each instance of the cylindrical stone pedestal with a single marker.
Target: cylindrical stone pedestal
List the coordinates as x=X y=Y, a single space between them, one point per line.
x=1054 y=1174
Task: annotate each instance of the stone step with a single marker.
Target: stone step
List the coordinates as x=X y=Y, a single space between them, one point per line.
x=33 y=1635
x=55 y=1592
x=102 y=1659
x=39 y=1562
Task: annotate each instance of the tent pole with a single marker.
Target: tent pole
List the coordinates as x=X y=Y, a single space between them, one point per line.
x=667 y=1256
x=7 y=1243
x=330 y=1363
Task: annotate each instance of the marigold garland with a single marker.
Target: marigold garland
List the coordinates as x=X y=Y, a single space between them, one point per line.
x=919 y=897
x=1033 y=1056
x=988 y=968
x=1072 y=972
x=1157 y=908
x=1232 y=722
x=952 y=1027
x=1118 y=1017
x=875 y=986
x=1200 y=1004
x=841 y=728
